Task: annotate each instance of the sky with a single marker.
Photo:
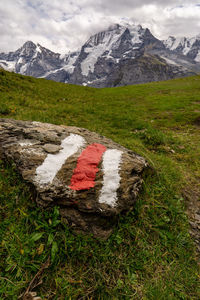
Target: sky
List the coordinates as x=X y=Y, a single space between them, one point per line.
x=64 y=25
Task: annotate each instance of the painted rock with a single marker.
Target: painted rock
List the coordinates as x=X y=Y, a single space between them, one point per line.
x=91 y=178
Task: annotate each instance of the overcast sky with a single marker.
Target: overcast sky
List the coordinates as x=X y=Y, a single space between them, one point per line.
x=64 y=25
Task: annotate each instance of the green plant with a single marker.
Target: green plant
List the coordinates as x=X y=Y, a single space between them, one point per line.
x=4 y=109
x=150 y=255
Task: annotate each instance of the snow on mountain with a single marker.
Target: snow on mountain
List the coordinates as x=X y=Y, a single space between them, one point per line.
x=63 y=73
x=173 y=43
x=96 y=46
x=186 y=46
x=106 y=43
x=197 y=58
x=70 y=61
x=7 y=65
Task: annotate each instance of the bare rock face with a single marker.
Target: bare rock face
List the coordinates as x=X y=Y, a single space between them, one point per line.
x=91 y=178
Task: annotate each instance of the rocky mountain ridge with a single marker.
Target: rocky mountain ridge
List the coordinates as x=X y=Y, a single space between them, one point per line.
x=186 y=46
x=31 y=59
x=123 y=54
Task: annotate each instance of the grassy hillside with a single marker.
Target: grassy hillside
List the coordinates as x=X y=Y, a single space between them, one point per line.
x=151 y=254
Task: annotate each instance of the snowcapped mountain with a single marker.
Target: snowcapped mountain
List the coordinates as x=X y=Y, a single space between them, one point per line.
x=186 y=46
x=30 y=59
x=114 y=44
x=122 y=54
x=106 y=49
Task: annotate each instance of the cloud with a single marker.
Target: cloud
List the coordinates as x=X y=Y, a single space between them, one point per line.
x=65 y=25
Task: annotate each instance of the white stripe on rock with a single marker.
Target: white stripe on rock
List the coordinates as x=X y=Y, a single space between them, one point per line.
x=46 y=172
x=111 y=178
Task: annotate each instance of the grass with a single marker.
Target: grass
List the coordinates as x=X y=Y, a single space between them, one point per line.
x=150 y=255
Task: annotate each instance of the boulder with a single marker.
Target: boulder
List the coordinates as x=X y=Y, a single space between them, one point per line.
x=89 y=177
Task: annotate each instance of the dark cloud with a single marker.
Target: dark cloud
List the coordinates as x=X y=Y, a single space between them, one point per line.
x=64 y=25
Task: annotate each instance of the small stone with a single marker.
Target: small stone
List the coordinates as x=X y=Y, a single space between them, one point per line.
x=181 y=147
x=51 y=148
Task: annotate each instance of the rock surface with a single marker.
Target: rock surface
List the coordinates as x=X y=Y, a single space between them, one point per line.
x=146 y=68
x=91 y=178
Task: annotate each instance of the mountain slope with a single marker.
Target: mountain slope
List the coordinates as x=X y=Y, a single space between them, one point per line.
x=143 y=69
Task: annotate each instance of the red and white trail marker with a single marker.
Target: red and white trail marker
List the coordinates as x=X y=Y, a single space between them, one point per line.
x=84 y=174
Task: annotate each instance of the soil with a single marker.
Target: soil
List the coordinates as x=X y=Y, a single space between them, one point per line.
x=192 y=196
x=197 y=121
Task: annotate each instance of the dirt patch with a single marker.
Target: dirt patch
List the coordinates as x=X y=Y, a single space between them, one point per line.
x=192 y=196
x=197 y=121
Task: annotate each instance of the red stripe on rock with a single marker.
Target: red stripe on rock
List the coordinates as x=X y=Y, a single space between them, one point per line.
x=84 y=174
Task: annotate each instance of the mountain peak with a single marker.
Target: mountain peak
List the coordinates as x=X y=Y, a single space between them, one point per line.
x=113 y=32
x=113 y=27
x=29 y=44
x=124 y=24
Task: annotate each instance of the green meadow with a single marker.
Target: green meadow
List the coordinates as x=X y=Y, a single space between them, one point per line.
x=150 y=254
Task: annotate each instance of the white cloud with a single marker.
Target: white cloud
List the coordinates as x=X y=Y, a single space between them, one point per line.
x=65 y=25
